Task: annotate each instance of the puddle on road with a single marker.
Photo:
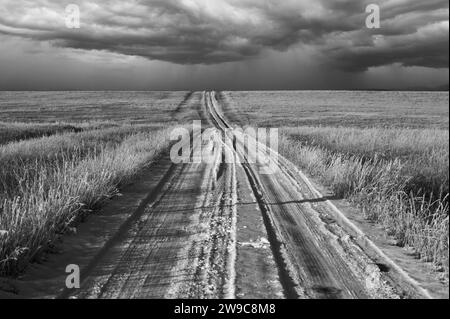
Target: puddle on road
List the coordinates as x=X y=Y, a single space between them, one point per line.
x=261 y=243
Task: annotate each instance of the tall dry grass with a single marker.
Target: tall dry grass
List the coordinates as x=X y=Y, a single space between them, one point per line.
x=49 y=183
x=17 y=131
x=398 y=177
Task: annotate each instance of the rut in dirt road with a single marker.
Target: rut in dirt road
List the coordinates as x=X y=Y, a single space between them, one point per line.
x=315 y=256
x=180 y=246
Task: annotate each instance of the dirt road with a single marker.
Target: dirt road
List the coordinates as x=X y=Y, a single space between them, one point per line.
x=229 y=229
x=314 y=256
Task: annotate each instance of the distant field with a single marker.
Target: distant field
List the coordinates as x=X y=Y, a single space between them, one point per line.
x=75 y=107
x=340 y=108
x=270 y=109
x=28 y=115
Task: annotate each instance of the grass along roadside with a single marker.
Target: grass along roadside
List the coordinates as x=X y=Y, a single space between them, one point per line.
x=16 y=131
x=48 y=184
x=20 y=161
x=398 y=177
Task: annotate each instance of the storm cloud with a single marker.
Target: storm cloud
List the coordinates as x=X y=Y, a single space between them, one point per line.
x=412 y=33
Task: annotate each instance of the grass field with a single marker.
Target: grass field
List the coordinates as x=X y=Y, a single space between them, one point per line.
x=17 y=131
x=391 y=159
x=63 y=154
x=398 y=177
x=339 y=109
x=79 y=107
x=48 y=184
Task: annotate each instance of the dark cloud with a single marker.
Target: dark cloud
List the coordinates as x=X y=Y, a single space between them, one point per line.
x=413 y=33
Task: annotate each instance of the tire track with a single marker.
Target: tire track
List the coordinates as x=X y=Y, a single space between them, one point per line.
x=286 y=273
x=181 y=244
x=314 y=259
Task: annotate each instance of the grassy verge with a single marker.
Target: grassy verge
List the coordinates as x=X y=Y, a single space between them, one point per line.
x=13 y=132
x=49 y=183
x=398 y=177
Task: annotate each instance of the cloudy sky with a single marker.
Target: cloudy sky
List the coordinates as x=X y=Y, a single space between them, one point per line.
x=223 y=44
